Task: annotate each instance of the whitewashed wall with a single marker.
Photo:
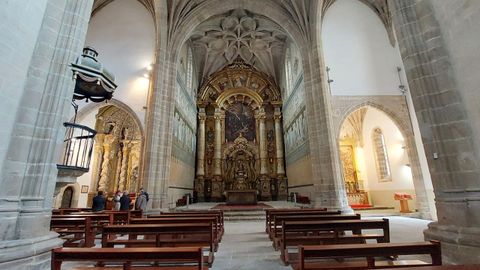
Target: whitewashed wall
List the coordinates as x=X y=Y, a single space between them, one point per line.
x=357 y=49
x=401 y=177
x=89 y=121
x=123 y=33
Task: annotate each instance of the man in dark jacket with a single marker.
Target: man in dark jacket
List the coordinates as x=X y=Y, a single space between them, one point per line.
x=98 y=203
x=125 y=202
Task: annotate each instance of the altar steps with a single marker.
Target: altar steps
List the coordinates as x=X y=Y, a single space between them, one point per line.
x=237 y=215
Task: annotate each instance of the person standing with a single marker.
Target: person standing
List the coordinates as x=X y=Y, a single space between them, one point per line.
x=116 y=200
x=98 y=203
x=145 y=193
x=125 y=201
x=141 y=202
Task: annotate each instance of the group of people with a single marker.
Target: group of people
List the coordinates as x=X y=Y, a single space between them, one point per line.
x=122 y=201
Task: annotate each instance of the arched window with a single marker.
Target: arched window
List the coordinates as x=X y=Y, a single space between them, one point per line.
x=188 y=80
x=381 y=156
x=288 y=73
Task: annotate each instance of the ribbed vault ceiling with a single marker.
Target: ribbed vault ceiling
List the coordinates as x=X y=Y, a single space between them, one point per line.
x=239 y=33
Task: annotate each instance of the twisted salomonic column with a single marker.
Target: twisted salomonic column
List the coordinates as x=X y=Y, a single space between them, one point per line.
x=263 y=141
x=124 y=168
x=217 y=154
x=279 y=141
x=201 y=143
x=108 y=154
x=97 y=162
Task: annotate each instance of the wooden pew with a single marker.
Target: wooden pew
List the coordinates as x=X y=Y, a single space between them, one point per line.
x=77 y=232
x=329 y=232
x=118 y=217
x=210 y=211
x=129 y=257
x=97 y=220
x=268 y=212
x=65 y=211
x=165 y=235
x=309 y=256
x=179 y=220
x=276 y=232
x=277 y=220
x=218 y=214
x=440 y=267
x=272 y=213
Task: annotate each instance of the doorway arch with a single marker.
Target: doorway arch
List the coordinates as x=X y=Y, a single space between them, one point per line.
x=395 y=108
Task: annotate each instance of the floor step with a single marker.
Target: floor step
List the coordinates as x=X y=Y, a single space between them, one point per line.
x=243 y=215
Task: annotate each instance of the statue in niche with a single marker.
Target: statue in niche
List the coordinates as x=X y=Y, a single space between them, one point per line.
x=133 y=180
x=240 y=171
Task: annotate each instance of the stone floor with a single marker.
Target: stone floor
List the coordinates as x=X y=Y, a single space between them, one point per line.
x=245 y=244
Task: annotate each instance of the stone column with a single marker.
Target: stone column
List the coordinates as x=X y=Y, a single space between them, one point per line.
x=28 y=174
x=329 y=189
x=263 y=141
x=217 y=154
x=124 y=167
x=201 y=143
x=450 y=144
x=279 y=141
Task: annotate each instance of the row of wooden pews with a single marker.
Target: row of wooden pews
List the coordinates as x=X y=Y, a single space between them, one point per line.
x=184 y=240
x=321 y=239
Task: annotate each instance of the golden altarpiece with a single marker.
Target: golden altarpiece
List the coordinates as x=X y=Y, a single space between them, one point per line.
x=240 y=139
x=116 y=154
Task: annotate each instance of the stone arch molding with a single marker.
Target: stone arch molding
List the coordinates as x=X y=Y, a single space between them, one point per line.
x=396 y=108
x=94 y=107
x=75 y=195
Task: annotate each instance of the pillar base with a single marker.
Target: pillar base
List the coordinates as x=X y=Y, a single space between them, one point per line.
x=33 y=253
x=460 y=245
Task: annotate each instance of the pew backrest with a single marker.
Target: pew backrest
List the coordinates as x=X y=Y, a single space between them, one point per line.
x=76 y=231
x=367 y=251
x=177 y=255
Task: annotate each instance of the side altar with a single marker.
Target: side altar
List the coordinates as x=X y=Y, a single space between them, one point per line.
x=240 y=141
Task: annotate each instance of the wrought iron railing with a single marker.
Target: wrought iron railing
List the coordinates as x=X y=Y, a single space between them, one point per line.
x=78 y=141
